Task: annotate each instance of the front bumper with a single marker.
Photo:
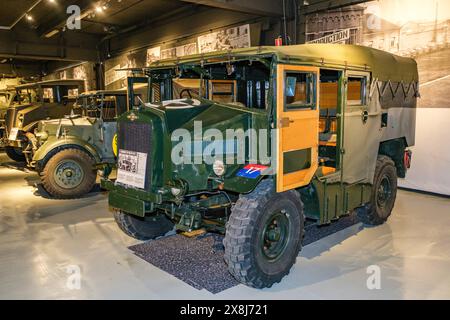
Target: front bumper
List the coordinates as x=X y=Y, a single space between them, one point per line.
x=130 y=200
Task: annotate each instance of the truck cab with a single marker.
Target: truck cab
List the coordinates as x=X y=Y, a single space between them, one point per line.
x=50 y=99
x=66 y=151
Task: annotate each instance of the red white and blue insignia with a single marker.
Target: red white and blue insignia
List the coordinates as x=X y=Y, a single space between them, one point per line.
x=251 y=171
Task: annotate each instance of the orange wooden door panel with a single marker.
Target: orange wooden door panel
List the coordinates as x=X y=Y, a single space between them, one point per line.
x=298 y=130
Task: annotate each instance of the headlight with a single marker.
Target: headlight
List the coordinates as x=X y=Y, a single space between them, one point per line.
x=219 y=167
x=175 y=191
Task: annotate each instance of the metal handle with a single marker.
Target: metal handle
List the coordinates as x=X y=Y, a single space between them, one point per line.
x=284 y=122
x=365 y=116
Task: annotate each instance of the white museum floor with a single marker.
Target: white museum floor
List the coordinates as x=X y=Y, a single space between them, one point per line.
x=41 y=238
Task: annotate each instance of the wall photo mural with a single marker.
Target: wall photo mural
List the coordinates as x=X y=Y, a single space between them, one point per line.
x=410 y=28
x=224 y=39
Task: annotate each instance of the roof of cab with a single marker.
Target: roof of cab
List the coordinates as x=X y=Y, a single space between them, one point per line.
x=383 y=65
x=67 y=82
x=104 y=92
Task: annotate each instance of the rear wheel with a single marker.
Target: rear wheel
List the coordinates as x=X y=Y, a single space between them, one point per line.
x=263 y=235
x=384 y=193
x=15 y=154
x=69 y=174
x=146 y=228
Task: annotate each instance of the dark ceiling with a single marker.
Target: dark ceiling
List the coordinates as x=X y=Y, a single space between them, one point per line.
x=36 y=30
x=115 y=15
x=12 y=10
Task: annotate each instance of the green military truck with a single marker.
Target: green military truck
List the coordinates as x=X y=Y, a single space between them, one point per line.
x=52 y=99
x=66 y=151
x=334 y=123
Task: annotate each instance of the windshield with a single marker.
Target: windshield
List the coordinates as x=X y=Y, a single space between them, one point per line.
x=25 y=96
x=107 y=107
x=241 y=83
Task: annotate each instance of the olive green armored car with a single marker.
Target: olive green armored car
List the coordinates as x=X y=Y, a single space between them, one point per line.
x=276 y=135
x=66 y=151
x=9 y=97
x=6 y=99
x=50 y=99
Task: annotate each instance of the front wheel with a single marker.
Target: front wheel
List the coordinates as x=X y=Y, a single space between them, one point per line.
x=15 y=154
x=146 y=228
x=69 y=174
x=263 y=235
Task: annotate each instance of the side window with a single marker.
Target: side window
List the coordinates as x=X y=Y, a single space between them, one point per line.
x=222 y=91
x=356 y=91
x=109 y=108
x=156 y=92
x=72 y=94
x=300 y=91
x=48 y=95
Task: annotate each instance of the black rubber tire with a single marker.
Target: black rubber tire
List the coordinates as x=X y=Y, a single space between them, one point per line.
x=372 y=213
x=15 y=154
x=147 y=228
x=244 y=233
x=84 y=160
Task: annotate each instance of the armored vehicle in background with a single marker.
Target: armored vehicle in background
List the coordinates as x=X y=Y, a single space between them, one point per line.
x=8 y=97
x=53 y=99
x=65 y=151
x=333 y=122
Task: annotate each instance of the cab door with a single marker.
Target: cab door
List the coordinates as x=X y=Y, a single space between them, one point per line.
x=361 y=129
x=297 y=124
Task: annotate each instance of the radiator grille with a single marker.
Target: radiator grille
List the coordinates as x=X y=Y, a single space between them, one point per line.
x=137 y=137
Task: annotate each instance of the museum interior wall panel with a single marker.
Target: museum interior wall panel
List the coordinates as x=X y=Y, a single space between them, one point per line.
x=411 y=28
x=83 y=71
x=238 y=36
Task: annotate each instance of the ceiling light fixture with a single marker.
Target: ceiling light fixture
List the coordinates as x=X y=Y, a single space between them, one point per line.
x=29 y=17
x=99 y=9
x=51 y=33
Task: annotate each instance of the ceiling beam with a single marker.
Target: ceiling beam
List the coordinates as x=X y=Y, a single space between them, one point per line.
x=321 y=5
x=65 y=47
x=258 y=7
x=17 y=69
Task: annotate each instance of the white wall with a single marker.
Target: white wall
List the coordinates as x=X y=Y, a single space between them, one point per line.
x=430 y=168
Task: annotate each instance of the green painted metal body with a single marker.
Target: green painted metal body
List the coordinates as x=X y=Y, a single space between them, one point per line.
x=326 y=198
x=94 y=135
x=8 y=99
x=25 y=116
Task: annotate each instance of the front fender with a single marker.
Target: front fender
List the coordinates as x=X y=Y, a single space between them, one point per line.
x=52 y=143
x=30 y=127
